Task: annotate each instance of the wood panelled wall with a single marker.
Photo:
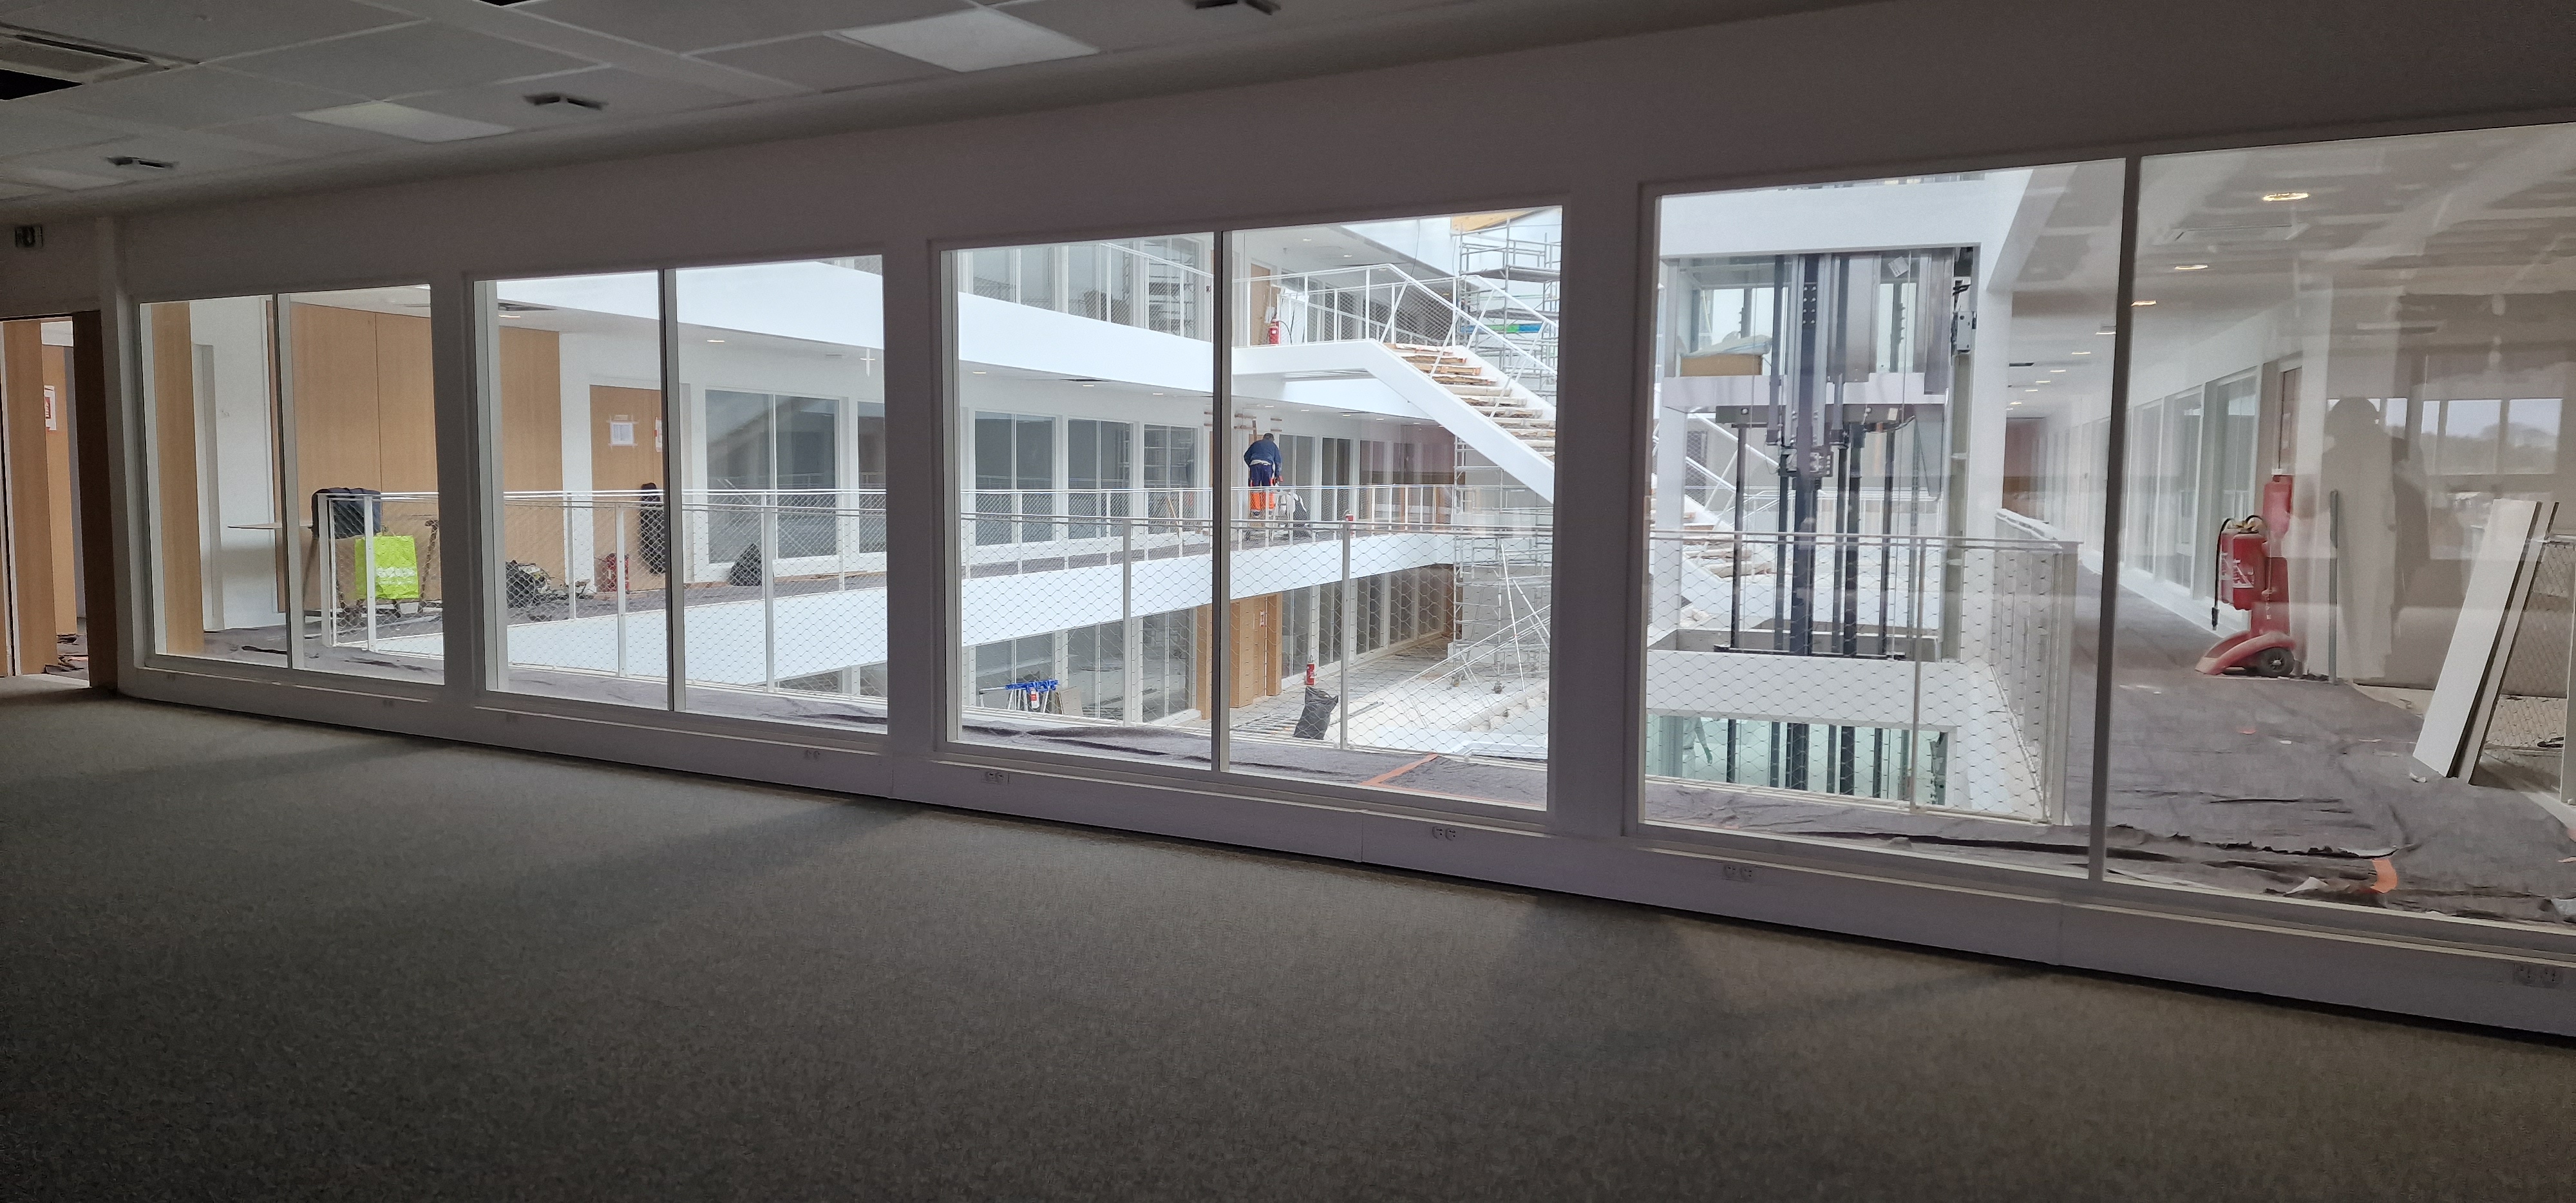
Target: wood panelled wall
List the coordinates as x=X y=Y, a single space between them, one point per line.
x=37 y=572
x=181 y=579
x=41 y=571
x=364 y=406
x=365 y=417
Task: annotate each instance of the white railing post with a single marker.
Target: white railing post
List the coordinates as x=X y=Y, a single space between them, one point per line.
x=572 y=595
x=624 y=570
x=769 y=591
x=1342 y=669
x=368 y=541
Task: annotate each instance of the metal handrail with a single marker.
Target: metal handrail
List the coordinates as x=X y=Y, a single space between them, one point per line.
x=1418 y=284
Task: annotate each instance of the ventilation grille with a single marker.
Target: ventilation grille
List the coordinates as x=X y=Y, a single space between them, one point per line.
x=37 y=53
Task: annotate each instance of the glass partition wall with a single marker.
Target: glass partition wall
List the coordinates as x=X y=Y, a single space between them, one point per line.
x=1081 y=397
x=761 y=508
x=1274 y=509
x=1879 y=412
x=294 y=492
x=581 y=549
x=1393 y=460
x=2343 y=644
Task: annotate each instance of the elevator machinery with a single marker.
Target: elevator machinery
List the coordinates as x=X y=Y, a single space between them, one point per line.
x=1845 y=371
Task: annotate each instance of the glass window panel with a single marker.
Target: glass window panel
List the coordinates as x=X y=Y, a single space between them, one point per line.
x=1405 y=373
x=2396 y=299
x=1084 y=524
x=341 y=576
x=1876 y=476
x=781 y=525
x=366 y=458
x=586 y=547
x=2530 y=436
x=220 y=553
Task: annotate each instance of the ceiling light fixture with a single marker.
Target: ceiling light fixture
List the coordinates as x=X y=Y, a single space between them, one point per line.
x=2084 y=352
x=715 y=340
x=2191 y=267
x=974 y=39
x=2139 y=303
x=404 y=121
x=2062 y=369
x=2285 y=196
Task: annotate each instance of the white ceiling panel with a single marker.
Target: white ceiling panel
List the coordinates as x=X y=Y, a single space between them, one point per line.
x=299 y=138
x=199 y=29
x=824 y=63
x=183 y=155
x=56 y=178
x=624 y=93
x=190 y=98
x=1134 y=24
x=701 y=24
x=413 y=58
x=23 y=130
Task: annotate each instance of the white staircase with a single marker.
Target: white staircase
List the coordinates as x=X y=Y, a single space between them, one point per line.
x=1523 y=414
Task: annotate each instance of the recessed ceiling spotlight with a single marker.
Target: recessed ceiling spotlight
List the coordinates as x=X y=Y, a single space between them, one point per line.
x=2285 y=196
x=2191 y=267
x=139 y=161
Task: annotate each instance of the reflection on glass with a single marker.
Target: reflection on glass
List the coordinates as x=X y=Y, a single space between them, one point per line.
x=1392 y=469
x=1082 y=400
x=327 y=562
x=2342 y=653
x=1879 y=426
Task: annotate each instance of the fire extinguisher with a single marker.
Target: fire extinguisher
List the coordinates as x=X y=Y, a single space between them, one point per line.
x=1278 y=330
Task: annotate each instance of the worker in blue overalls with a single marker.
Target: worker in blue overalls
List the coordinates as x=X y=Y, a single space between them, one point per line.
x=1261 y=463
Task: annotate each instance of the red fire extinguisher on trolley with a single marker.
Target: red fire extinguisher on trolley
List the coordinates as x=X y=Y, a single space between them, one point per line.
x=2254 y=577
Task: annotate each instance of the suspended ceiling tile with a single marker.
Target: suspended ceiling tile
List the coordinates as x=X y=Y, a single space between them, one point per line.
x=56 y=178
x=25 y=130
x=184 y=155
x=412 y=58
x=190 y=98
x=701 y=24
x=824 y=62
x=1131 y=24
x=622 y=93
x=200 y=29
x=298 y=138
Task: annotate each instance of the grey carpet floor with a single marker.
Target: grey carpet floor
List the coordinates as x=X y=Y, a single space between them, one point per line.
x=248 y=959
